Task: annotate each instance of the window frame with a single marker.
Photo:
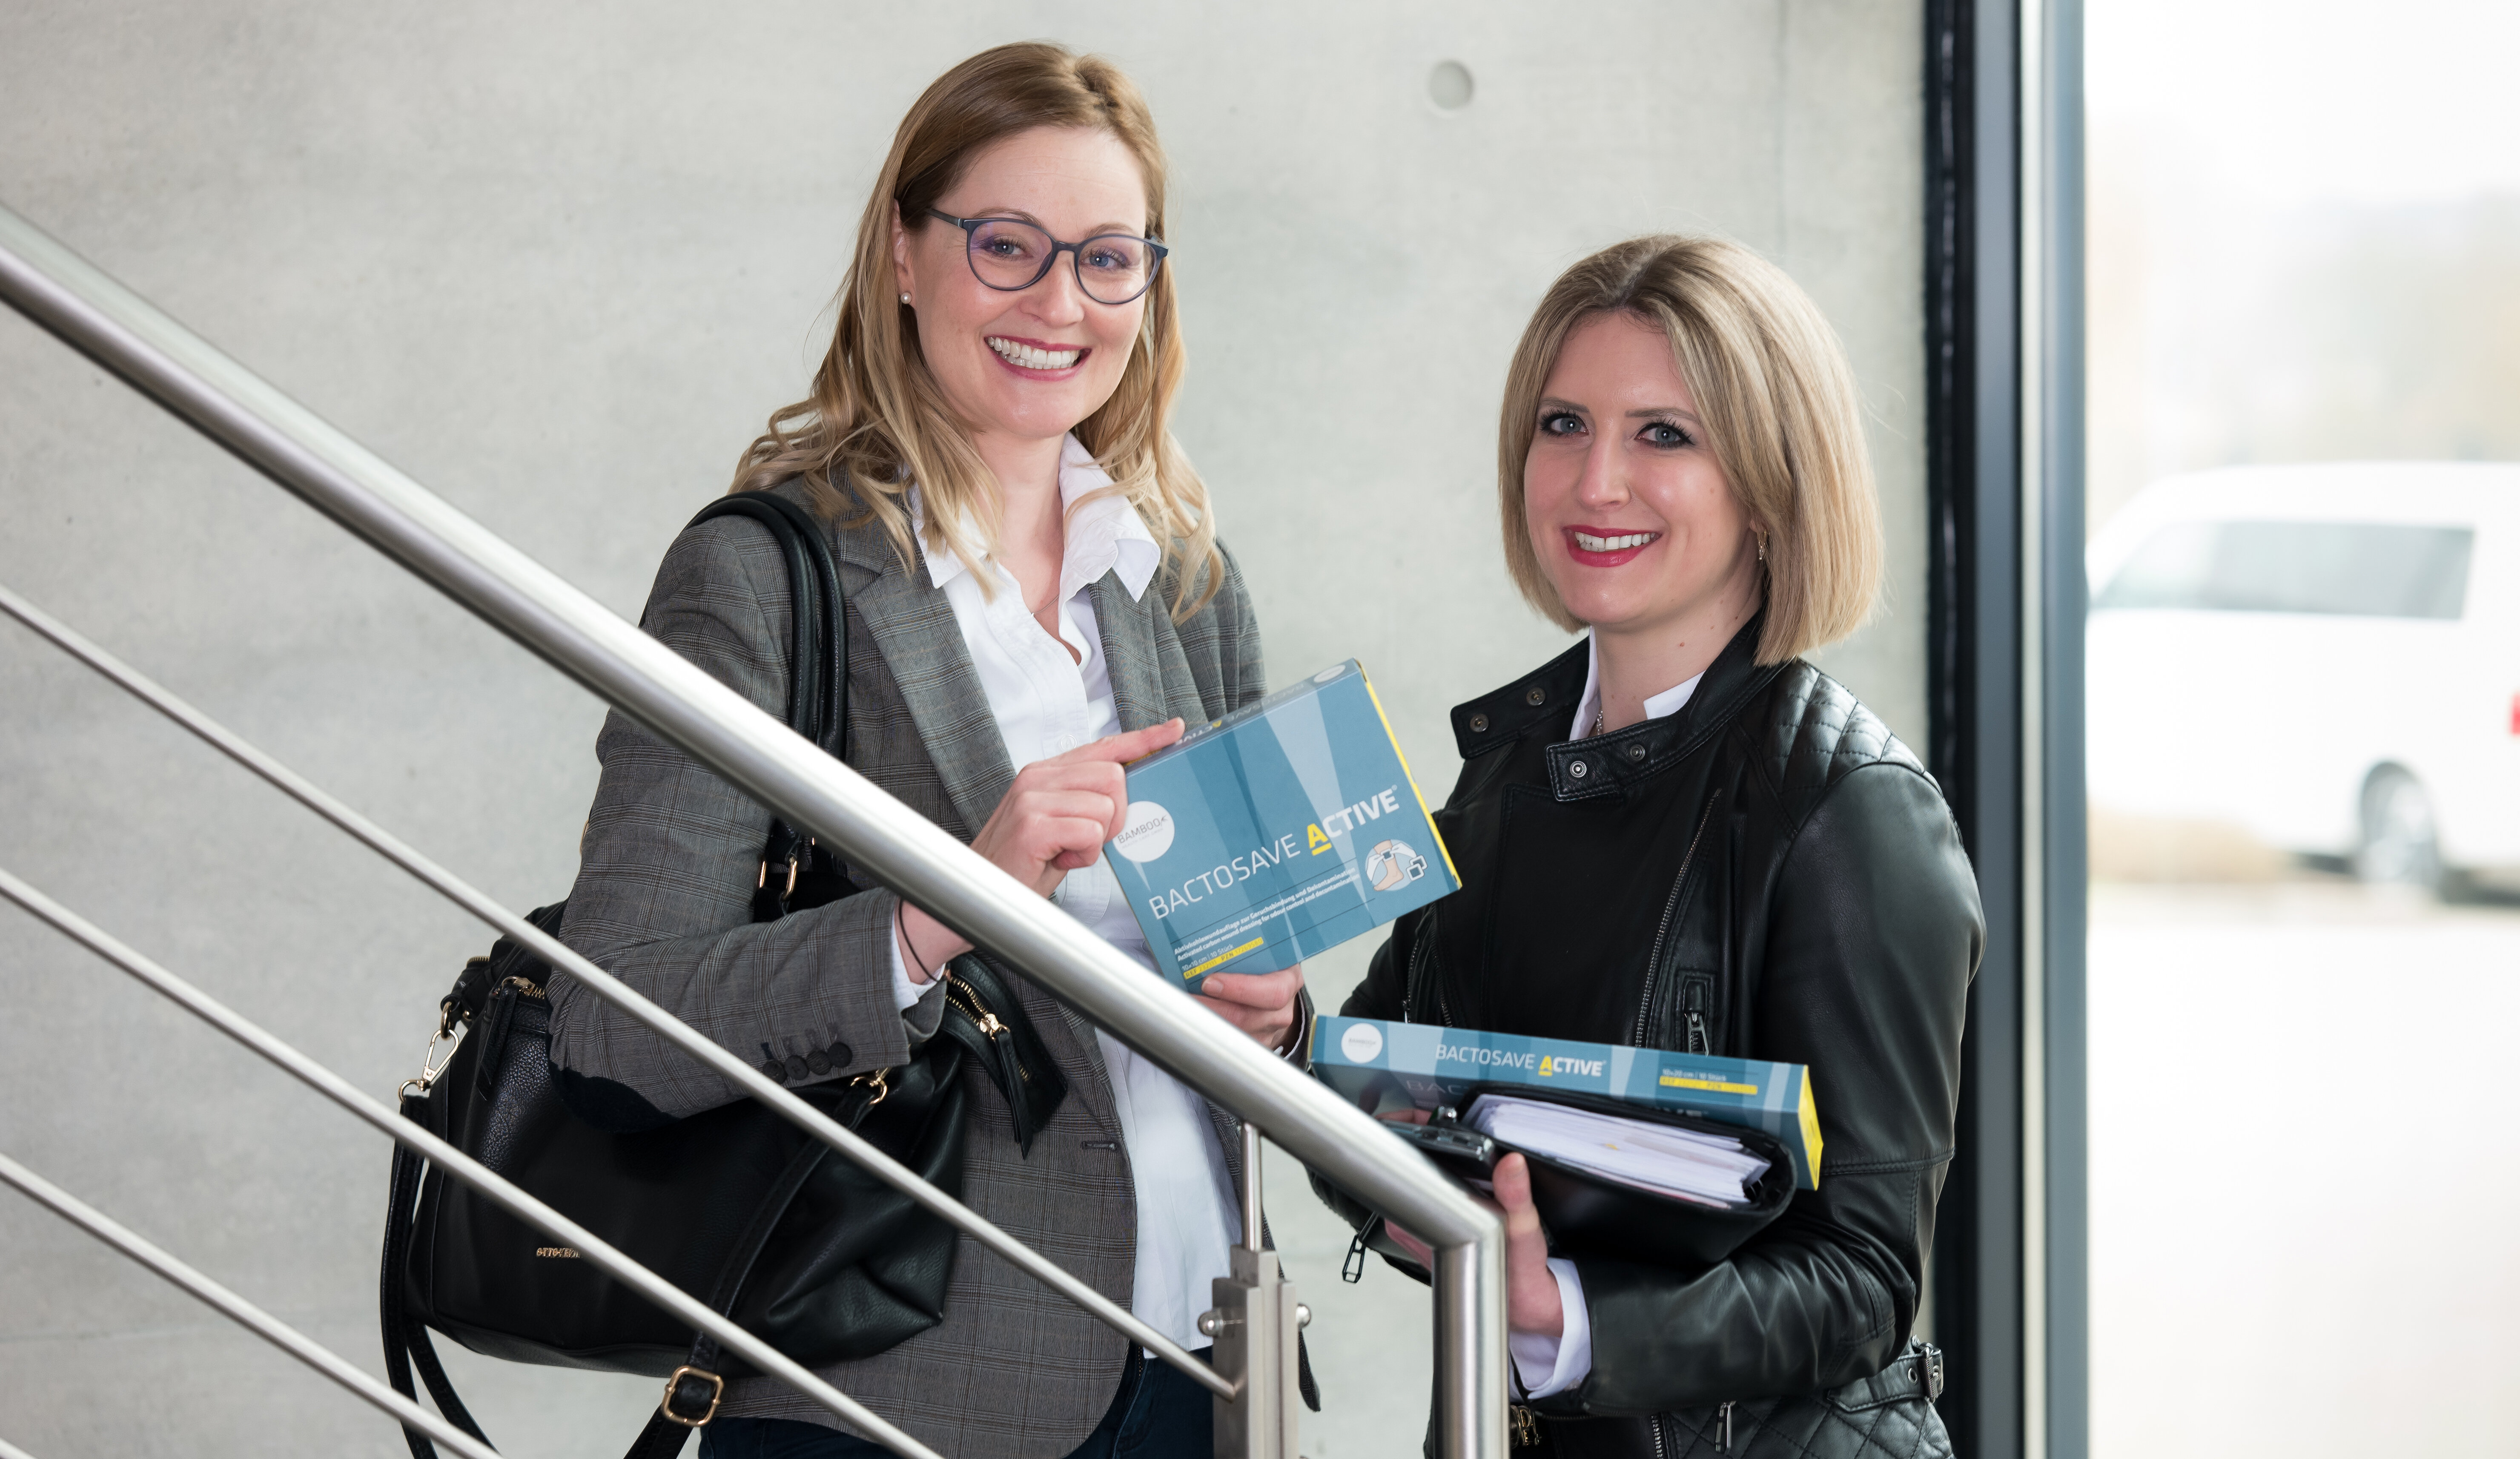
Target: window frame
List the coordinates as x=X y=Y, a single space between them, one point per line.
x=2008 y=1290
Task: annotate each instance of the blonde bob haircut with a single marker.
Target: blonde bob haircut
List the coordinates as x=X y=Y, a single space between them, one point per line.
x=1778 y=398
x=877 y=420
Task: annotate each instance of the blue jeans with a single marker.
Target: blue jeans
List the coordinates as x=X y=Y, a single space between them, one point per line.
x=1157 y=1414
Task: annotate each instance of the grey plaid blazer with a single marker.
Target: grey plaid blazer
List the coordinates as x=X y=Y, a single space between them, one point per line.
x=662 y=902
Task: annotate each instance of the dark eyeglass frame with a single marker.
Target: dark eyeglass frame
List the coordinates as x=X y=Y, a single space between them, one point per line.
x=1074 y=250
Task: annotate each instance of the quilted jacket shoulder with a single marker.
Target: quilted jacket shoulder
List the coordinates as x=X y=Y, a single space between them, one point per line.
x=1813 y=734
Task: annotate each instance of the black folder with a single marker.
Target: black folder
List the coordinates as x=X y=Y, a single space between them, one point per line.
x=1587 y=1214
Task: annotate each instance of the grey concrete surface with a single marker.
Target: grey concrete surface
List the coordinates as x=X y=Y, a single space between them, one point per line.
x=560 y=261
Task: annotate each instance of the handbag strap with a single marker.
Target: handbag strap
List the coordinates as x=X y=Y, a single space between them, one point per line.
x=817 y=680
x=406 y=1338
x=817 y=659
x=818 y=638
x=692 y=1392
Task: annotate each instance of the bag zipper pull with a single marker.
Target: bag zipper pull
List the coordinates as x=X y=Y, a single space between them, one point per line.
x=970 y=1002
x=1352 y=1271
x=1724 y=1428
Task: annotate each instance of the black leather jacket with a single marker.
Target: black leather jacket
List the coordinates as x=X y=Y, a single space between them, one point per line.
x=1809 y=901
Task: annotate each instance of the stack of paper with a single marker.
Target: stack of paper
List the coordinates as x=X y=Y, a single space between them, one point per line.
x=1660 y=1157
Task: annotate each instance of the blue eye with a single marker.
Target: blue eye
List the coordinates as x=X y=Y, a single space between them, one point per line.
x=1115 y=255
x=1666 y=435
x=1561 y=423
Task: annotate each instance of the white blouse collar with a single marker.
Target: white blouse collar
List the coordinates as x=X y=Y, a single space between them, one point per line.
x=1103 y=536
x=1657 y=707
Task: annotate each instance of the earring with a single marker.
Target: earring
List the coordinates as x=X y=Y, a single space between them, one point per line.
x=905 y=296
x=1763 y=549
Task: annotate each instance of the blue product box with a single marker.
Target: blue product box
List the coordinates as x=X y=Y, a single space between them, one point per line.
x=1372 y=1062
x=1280 y=831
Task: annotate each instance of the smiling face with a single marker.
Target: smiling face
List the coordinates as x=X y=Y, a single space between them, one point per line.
x=1629 y=511
x=1026 y=366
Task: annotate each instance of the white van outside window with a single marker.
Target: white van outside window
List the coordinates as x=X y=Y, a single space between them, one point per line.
x=2326 y=658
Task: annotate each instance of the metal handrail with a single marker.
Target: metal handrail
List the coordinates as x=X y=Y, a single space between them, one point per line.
x=561 y=955
x=270 y=1329
x=455 y=1162
x=298 y=451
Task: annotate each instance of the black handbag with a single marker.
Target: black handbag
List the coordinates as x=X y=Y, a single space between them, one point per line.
x=736 y=1206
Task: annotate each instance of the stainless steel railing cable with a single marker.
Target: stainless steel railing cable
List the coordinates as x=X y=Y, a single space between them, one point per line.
x=293 y=446
x=457 y=1164
x=235 y=1309
x=559 y=955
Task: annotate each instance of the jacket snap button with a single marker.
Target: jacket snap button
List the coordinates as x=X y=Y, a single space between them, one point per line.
x=1635 y=752
x=796 y=1067
x=1479 y=723
x=1576 y=769
x=776 y=1070
x=818 y=1062
x=1534 y=698
x=842 y=1055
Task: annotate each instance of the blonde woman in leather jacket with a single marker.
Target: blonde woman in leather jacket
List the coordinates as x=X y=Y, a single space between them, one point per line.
x=1680 y=835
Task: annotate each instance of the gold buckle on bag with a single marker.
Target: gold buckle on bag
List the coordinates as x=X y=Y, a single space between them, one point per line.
x=718 y=1392
x=761 y=881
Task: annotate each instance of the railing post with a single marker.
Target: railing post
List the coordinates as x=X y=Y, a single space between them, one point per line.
x=1469 y=1350
x=1255 y=1323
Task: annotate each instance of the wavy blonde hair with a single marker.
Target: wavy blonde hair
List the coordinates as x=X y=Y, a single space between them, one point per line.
x=1781 y=414
x=877 y=421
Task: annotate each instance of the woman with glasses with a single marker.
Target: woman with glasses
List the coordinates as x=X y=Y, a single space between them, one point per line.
x=1036 y=596
x=1679 y=835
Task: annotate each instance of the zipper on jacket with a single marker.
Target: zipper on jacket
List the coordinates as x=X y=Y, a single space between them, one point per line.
x=1419 y=953
x=1654 y=1427
x=1692 y=1007
x=1671 y=903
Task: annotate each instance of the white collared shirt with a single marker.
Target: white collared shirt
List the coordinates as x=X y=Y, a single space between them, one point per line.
x=1544 y=1364
x=1047 y=702
x=1658 y=707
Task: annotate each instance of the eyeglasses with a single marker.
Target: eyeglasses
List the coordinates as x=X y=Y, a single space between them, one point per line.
x=1011 y=256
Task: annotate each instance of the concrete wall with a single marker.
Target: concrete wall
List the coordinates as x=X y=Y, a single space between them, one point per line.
x=560 y=261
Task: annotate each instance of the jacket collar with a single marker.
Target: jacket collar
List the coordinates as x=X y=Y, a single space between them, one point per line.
x=1133 y=649
x=914 y=627
x=1543 y=701
x=1507 y=714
